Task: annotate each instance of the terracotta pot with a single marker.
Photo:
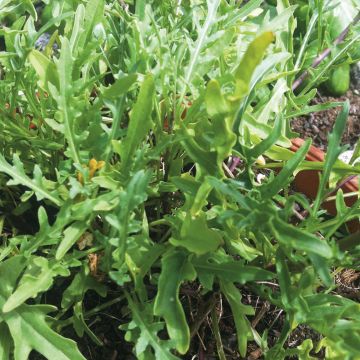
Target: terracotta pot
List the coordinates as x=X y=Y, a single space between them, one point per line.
x=307 y=182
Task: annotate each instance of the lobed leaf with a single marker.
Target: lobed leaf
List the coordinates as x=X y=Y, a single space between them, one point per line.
x=196 y=236
x=176 y=269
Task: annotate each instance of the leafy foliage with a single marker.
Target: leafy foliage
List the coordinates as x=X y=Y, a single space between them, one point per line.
x=126 y=132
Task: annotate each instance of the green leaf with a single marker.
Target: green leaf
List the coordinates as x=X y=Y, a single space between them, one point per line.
x=71 y=235
x=135 y=194
x=196 y=236
x=304 y=110
x=212 y=7
x=216 y=104
x=141 y=255
x=252 y=58
x=18 y=176
x=5 y=342
x=148 y=332
x=64 y=98
x=29 y=6
x=77 y=28
x=29 y=329
x=38 y=277
x=274 y=103
x=80 y=325
x=282 y=179
x=81 y=283
x=229 y=188
x=10 y=270
x=260 y=131
x=239 y=311
x=140 y=121
x=106 y=182
x=344 y=49
x=332 y=154
x=218 y=109
x=45 y=69
x=268 y=64
x=207 y=160
x=140 y=9
x=246 y=9
x=119 y=87
x=176 y=268
x=341 y=207
x=28 y=325
x=94 y=12
x=233 y=271
x=287 y=293
x=322 y=268
x=265 y=144
x=356 y=153
x=289 y=235
x=186 y=183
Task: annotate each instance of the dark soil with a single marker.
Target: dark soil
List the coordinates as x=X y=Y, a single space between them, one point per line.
x=318 y=125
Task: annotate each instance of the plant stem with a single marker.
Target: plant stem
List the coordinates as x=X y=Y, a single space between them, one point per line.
x=346 y=195
x=93 y=311
x=216 y=330
x=201 y=318
x=324 y=54
x=159 y=222
x=338 y=187
x=101 y=307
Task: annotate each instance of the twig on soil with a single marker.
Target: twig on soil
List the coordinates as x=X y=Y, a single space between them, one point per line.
x=265 y=307
x=202 y=347
x=276 y=318
x=202 y=317
x=201 y=341
x=114 y=355
x=228 y=171
x=268 y=283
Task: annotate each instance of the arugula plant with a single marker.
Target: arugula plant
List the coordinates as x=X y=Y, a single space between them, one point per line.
x=120 y=142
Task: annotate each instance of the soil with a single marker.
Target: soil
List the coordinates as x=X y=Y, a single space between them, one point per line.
x=318 y=125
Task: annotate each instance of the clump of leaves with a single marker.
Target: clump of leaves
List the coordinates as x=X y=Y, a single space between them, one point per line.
x=122 y=138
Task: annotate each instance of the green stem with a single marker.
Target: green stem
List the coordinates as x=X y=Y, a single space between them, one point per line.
x=216 y=331
x=158 y=222
x=104 y=306
x=117 y=111
x=92 y=312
